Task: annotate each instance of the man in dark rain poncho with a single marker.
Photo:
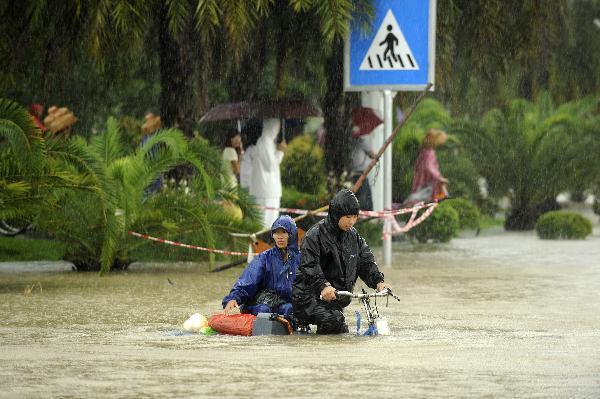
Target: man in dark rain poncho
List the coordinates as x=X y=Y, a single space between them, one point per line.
x=265 y=286
x=334 y=255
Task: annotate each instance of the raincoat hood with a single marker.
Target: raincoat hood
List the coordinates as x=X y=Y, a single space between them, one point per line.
x=287 y=223
x=344 y=203
x=271 y=128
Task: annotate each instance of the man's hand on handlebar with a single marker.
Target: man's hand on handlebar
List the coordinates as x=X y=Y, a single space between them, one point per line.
x=382 y=286
x=328 y=294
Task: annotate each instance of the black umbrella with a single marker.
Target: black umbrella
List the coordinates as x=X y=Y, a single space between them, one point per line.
x=281 y=109
x=229 y=111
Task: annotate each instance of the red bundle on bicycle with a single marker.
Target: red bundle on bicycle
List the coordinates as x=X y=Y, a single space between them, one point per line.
x=239 y=324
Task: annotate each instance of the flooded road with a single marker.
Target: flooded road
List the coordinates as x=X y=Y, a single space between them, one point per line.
x=503 y=315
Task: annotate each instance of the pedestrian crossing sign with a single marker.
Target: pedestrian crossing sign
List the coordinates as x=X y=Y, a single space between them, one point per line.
x=389 y=50
x=397 y=53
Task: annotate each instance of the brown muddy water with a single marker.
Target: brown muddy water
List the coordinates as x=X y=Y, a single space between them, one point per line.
x=504 y=315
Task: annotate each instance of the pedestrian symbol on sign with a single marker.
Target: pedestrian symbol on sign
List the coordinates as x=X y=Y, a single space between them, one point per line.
x=389 y=41
x=389 y=49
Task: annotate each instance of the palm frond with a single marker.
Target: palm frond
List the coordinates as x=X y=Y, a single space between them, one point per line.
x=75 y=153
x=172 y=139
x=239 y=17
x=113 y=234
x=178 y=13
x=301 y=5
x=108 y=146
x=334 y=16
x=129 y=16
x=25 y=139
x=208 y=17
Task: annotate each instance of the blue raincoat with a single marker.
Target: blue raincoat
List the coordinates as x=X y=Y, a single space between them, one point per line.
x=268 y=273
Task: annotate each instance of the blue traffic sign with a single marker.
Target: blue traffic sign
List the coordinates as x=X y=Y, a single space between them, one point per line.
x=397 y=53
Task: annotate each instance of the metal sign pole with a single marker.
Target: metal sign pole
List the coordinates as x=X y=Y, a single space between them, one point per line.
x=387 y=190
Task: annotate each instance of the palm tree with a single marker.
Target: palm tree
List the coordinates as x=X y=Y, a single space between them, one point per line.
x=28 y=170
x=530 y=152
x=22 y=154
x=183 y=20
x=95 y=224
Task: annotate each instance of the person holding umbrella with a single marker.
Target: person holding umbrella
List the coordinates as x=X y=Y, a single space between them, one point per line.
x=265 y=183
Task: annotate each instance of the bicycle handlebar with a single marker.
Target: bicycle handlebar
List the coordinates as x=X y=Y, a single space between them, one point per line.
x=384 y=292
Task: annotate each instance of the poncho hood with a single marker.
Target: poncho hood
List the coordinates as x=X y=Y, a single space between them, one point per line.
x=344 y=203
x=287 y=223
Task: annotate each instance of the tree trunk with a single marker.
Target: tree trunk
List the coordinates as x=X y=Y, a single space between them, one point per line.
x=337 y=107
x=524 y=217
x=284 y=17
x=244 y=84
x=202 y=100
x=176 y=76
x=280 y=66
x=525 y=87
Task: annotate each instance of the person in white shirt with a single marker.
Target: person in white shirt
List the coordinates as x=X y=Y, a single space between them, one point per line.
x=231 y=156
x=265 y=183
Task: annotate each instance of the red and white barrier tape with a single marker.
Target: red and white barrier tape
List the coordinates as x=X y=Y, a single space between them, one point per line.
x=389 y=215
x=391 y=224
x=180 y=244
x=374 y=214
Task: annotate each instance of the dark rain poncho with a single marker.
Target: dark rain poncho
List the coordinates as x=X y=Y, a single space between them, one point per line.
x=338 y=257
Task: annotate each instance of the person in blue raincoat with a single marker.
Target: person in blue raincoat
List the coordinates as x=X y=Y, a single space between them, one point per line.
x=265 y=286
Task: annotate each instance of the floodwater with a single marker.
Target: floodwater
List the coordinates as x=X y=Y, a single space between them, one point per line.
x=500 y=315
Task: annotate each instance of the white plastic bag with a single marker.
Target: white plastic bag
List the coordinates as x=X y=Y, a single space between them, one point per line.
x=195 y=323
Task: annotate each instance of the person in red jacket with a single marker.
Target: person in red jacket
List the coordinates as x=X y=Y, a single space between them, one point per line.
x=428 y=183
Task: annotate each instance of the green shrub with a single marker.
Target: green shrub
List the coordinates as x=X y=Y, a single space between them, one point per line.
x=441 y=225
x=302 y=167
x=468 y=214
x=291 y=198
x=596 y=207
x=94 y=223
x=563 y=224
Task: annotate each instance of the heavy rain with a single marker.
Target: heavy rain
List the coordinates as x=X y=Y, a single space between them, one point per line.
x=298 y=198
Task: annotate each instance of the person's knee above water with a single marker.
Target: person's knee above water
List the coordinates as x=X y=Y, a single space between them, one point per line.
x=334 y=255
x=265 y=286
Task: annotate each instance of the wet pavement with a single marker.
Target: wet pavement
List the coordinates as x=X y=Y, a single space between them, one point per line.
x=500 y=315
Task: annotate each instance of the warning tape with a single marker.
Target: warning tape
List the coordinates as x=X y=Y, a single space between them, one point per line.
x=373 y=214
x=391 y=224
x=388 y=215
x=180 y=244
